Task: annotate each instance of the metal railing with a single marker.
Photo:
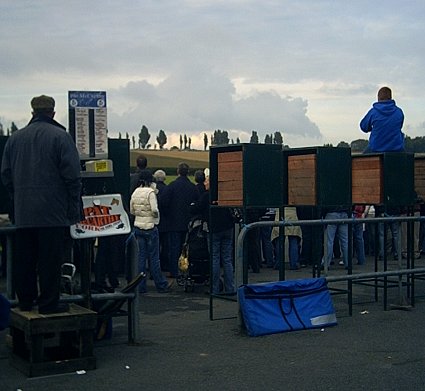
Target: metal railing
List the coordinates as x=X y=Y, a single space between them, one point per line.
x=241 y=266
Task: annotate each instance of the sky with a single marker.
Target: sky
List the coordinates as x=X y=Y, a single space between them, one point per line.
x=309 y=69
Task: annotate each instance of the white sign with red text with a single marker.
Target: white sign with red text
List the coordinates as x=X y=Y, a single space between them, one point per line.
x=104 y=215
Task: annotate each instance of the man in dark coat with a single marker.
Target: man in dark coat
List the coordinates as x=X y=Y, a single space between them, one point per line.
x=141 y=164
x=41 y=170
x=174 y=203
x=160 y=176
x=221 y=226
x=200 y=181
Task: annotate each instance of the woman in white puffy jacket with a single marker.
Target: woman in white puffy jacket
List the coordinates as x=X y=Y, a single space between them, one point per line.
x=144 y=206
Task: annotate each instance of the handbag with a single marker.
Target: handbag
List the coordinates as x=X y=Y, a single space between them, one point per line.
x=286 y=306
x=183 y=260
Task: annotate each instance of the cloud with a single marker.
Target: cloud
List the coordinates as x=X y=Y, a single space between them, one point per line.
x=196 y=100
x=268 y=112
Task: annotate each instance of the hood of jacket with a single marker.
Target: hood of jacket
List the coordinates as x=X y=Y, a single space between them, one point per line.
x=385 y=107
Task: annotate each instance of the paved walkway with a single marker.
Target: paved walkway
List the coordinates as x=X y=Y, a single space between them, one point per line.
x=181 y=349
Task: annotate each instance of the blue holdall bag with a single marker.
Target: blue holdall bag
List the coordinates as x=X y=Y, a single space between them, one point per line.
x=281 y=306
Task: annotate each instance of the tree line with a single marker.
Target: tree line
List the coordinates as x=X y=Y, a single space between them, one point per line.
x=221 y=137
x=13 y=128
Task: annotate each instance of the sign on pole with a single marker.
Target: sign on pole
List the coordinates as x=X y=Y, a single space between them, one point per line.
x=88 y=123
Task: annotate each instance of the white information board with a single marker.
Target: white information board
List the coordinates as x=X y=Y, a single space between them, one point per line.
x=88 y=123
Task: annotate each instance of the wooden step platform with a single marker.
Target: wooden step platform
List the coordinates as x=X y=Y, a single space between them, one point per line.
x=50 y=344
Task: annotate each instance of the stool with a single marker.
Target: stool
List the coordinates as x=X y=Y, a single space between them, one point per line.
x=51 y=344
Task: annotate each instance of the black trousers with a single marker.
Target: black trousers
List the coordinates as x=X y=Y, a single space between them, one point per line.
x=253 y=249
x=39 y=252
x=110 y=260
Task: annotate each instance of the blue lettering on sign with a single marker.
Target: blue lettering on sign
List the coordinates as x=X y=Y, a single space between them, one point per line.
x=93 y=99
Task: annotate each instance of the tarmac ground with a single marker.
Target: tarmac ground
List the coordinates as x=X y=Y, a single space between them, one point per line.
x=182 y=349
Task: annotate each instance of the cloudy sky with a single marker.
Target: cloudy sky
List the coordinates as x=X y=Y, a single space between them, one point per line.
x=309 y=68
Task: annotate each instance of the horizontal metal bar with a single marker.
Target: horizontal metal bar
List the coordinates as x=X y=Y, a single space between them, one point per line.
x=94 y=297
x=351 y=220
x=361 y=276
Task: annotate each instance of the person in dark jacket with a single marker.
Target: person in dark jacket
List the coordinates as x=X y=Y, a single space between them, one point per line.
x=200 y=181
x=221 y=226
x=160 y=176
x=332 y=230
x=41 y=170
x=306 y=254
x=384 y=122
x=175 y=206
x=252 y=243
x=141 y=164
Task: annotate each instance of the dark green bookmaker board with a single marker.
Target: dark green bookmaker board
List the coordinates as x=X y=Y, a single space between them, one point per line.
x=318 y=176
x=247 y=176
x=386 y=179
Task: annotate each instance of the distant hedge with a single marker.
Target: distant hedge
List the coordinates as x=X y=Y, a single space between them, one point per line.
x=168 y=170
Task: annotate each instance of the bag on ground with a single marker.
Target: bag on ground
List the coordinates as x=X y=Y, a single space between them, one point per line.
x=282 y=306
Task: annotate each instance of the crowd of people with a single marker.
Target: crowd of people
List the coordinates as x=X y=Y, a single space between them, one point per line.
x=161 y=224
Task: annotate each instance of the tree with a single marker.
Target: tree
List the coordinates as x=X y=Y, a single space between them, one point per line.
x=359 y=145
x=133 y=139
x=190 y=142
x=181 y=142
x=278 y=139
x=238 y=140
x=254 y=138
x=13 y=128
x=119 y=135
x=144 y=137
x=268 y=139
x=221 y=137
x=127 y=136
x=416 y=144
x=343 y=144
x=205 y=141
x=1 y=129
x=161 y=139
x=185 y=141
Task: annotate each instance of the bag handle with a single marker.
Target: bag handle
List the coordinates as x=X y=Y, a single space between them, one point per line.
x=282 y=311
x=292 y=307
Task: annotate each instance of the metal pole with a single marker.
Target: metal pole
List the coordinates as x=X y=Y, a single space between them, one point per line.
x=239 y=261
x=133 y=310
x=9 y=257
x=403 y=303
x=9 y=232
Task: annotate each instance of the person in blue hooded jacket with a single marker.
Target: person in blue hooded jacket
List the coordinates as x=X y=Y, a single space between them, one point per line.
x=384 y=122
